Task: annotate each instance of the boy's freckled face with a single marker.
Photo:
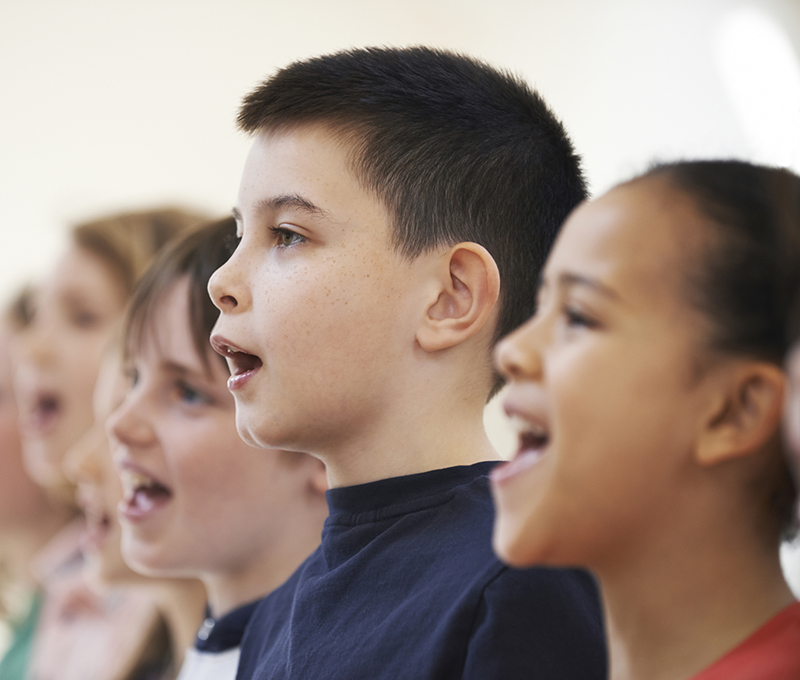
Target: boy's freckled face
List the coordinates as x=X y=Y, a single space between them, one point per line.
x=322 y=297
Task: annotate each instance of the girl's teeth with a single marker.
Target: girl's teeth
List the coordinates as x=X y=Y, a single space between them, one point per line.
x=523 y=426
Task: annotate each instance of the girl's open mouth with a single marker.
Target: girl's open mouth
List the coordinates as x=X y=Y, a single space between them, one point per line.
x=43 y=412
x=142 y=495
x=533 y=441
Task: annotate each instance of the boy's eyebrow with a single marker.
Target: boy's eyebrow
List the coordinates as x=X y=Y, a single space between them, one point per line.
x=570 y=279
x=291 y=201
x=285 y=201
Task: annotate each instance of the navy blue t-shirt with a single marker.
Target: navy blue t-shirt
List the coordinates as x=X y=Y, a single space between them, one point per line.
x=405 y=585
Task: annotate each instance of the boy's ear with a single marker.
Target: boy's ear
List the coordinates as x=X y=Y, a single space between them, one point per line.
x=467 y=288
x=745 y=416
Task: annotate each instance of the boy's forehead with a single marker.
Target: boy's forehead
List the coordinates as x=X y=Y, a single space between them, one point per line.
x=307 y=169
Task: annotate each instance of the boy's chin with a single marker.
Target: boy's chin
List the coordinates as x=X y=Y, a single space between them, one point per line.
x=250 y=432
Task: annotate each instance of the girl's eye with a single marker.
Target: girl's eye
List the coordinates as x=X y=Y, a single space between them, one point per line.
x=84 y=319
x=133 y=376
x=575 y=318
x=286 y=237
x=189 y=395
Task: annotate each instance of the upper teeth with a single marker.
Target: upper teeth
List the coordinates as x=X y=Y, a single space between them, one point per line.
x=135 y=480
x=522 y=425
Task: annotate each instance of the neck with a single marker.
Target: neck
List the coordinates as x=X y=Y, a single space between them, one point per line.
x=20 y=544
x=676 y=608
x=269 y=567
x=434 y=428
x=182 y=603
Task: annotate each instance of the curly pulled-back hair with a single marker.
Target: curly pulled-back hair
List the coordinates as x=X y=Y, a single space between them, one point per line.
x=747 y=278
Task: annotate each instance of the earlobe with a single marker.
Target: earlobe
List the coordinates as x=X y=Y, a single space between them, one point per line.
x=745 y=417
x=468 y=286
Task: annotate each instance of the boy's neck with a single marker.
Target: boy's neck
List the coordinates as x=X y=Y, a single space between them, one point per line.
x=411 y=443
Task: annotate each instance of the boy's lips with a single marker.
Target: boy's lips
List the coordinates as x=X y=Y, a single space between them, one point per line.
x=241 y=363
x=142 y=494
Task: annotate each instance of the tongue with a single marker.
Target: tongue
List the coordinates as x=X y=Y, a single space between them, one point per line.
x=245 y=362
x=147 y=498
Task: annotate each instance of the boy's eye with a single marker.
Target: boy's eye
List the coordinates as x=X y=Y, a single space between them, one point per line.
x=286 y=237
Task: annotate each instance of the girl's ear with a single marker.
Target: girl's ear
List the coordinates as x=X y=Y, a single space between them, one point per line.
x=467 y=286
x=746 y=414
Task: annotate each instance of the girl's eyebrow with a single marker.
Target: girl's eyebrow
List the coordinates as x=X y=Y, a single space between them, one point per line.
x=571 y=279
x=180 y=370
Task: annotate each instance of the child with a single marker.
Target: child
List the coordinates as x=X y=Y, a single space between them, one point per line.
x=197 y=500
x=75 y=312
x=173 y=610
x=28 y=520
x=393 y=213
x=648 y=390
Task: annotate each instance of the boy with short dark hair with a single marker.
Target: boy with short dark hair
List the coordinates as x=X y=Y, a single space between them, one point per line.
x=394 y=213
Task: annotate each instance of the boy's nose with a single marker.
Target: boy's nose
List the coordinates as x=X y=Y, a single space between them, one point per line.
x=517 y=356
x=226 y=289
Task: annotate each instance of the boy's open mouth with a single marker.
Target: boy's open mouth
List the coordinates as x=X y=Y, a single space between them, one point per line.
x=241 y=364
x=141 y=494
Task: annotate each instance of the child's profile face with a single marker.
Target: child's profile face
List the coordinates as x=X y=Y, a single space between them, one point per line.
x=196 y=499
x=21 y=501
x=315 y=299
x=602 y=385
x=88 y=464
x=76 y=311
x=792 y=416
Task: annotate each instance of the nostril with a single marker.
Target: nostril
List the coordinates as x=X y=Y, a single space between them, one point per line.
x=228 y=301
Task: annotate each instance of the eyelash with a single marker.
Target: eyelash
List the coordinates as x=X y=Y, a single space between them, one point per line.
x=577 y=318
x=283 y=232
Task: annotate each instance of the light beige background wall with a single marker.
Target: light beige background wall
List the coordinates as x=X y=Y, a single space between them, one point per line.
x=109 y=105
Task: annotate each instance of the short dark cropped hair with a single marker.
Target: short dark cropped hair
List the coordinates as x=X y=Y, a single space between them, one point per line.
x=197 y=255
x=748 y=276
x=456 y=150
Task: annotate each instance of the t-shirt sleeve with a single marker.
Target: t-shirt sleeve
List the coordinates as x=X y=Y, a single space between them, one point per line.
x=542 y=624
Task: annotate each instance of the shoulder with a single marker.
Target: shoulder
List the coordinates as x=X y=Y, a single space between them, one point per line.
x=543 y=623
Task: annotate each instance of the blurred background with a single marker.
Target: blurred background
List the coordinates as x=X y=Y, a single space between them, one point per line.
x=116 y=105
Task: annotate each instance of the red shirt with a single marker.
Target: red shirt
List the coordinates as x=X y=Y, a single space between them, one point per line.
x=771 y=653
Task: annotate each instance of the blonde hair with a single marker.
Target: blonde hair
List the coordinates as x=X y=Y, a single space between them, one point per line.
x=127 y=241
